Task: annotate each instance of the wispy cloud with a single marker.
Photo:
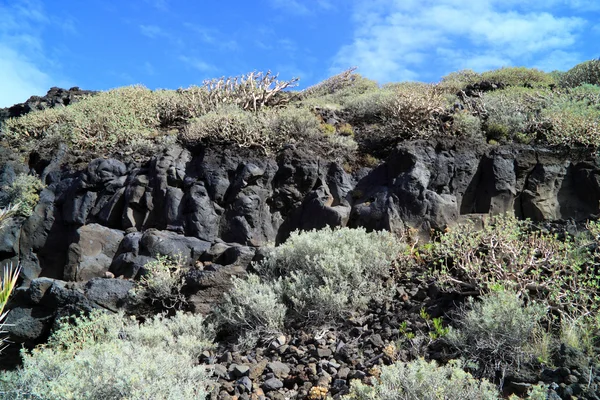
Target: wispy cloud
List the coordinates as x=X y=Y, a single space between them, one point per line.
x=396 y=39
x=152 y=31
x=24 y=64
x=304 y=7
x=162 y=5
x=197 y=64
x=211 y=37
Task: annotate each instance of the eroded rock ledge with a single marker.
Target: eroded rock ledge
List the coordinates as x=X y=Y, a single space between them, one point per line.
x=218 y=207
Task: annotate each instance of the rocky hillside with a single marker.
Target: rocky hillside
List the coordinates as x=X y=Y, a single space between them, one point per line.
x=150 y=202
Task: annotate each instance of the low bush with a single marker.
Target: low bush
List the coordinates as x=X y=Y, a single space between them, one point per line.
x=574 y=117
x=23 y=193
x=514 y=112
x=497 y=331
x=228 y=124
x=459 y=80
x=507 y=251
x=162 y=283
x=253 y=310
x=292 y=124
x=520 y=77
x=585 y=72
x=101 y=121
x=329 y=274
x=466 y=124
x=108 y=356
x=423 y=380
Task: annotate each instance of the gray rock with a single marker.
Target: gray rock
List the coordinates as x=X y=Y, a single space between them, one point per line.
x=108 y=293
x=272 y=384
x=91 y=254
x=238 y=371
x=279 y=369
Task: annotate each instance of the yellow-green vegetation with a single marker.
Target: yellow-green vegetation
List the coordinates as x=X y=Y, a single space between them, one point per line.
x=314 y=277
x=110 y=356
x=507 y=252
x=586 y=72
x=258 y=110
x=423 y=380
x=497 y=332
x=8 y=283
x=161 y=283
x=23 y=193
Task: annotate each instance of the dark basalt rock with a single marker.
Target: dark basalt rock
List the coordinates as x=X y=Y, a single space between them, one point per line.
x=55 y=97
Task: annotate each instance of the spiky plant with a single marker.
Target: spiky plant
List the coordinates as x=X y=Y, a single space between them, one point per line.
x=9 y=281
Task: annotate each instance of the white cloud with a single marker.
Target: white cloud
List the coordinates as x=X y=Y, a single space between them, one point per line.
x=396 y=39
x=197 y=63
x=161 y=5
x=152 y=31
x=304 y=7
x=21 y=78
x=24 y=64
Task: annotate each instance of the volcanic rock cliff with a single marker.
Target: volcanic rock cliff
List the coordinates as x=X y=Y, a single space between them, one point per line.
x=220 y=206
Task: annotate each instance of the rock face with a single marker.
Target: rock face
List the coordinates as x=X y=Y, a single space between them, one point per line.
x=217 y=207
x=113 y=216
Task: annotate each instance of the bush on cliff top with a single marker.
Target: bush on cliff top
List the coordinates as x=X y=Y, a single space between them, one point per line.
x=241 y=110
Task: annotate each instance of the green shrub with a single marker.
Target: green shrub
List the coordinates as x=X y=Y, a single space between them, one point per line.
x=514 y=111
x=466 y=124
x=520 y=76
x=108 y=356
x=228 y=124
x=496 y=332
x=370 y=105
x=586 y=72
x=457 y=81
x=292 y=123
x=102 y=121
x=24 y=193
x=329 y=274
x=340 y=87
x=162 y=283
x=574 y=117
x=506 y=251
x=253 y=310
x=423 y=380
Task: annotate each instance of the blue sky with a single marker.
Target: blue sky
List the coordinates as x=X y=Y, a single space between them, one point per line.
x=102 y=44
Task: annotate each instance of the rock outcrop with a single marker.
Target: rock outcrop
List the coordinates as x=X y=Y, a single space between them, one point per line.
x=218 y=207
x=55 y=97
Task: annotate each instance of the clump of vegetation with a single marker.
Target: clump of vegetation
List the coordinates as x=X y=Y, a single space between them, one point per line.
x=466 y=124
x=258 y=110
x=424 y=380
x=497 y=331
x=23 y=193
x=253 y=310
x=162 y=283
x=585 y=72
x=520 y=77
x=109 y=356
x=508 y=252
x=332 y=273
x=514 y=113
x=573 y=117
x=104 y=120
x=454 y=82
x=312 y=278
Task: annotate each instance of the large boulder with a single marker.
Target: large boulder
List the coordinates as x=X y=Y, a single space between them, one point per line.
x=92 y=252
